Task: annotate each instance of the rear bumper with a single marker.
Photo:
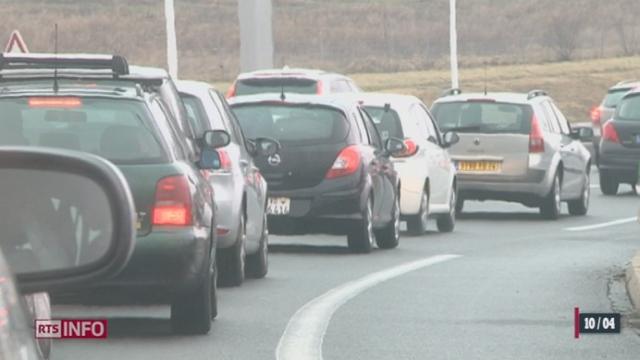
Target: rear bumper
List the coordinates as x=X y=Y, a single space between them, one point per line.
x=529 y=188
x=619 y=161
x=326 y=208
x=165 y=264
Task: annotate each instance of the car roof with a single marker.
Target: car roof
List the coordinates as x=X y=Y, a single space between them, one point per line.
x=193 y=87
x=381 y=99
x=91 y=90
x=625 y=85
x=287 y=72
x=507 y=97
x=339 y=102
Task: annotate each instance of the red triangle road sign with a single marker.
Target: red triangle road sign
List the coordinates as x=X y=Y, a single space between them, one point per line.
x=16 y=44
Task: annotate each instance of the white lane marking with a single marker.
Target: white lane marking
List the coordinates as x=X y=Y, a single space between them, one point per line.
x=603 y=225
x=302 y=339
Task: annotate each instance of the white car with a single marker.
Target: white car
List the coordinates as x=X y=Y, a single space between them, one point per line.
x=427 y=174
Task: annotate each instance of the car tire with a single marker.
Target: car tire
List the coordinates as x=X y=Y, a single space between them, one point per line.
x=447 y=222
x=231 y=261
x=551 y=204
x=459 y=206
x=389 y=236
x=258 y=264
x=361 y=237
x=608 y=184
x=580 y=207
x=191 y=313
x=417 y=224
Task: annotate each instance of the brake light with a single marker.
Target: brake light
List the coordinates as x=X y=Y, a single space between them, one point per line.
x=609 y=133
x=58 y=102
x=536 y=138
x=596 y=114
x=411 y=148
x=232 y=91
x=172 y=202
x=347 y=163
x=225 y=161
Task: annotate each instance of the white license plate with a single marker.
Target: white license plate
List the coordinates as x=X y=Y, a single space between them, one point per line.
x=278 y=206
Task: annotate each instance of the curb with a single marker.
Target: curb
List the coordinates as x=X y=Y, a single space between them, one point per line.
x=633 y=281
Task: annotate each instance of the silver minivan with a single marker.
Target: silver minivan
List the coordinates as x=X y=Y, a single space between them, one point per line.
x=516 y=147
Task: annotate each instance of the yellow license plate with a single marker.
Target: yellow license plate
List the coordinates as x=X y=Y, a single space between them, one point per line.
x=479 y=166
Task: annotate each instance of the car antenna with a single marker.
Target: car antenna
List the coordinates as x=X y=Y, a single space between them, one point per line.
x=485 y=78
x=56 y=86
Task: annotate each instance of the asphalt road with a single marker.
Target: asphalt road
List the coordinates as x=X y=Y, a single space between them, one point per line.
x=509 y=294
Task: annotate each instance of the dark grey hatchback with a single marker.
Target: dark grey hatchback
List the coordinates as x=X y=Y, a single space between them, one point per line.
x=332 y=174
x=620 y=145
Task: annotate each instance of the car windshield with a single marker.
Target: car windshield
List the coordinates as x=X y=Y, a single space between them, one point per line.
x=293 y=124
x=483 y=117
x=276 y=85
x=614 y=96
x=116 y=129
x=629 y=108
x=387 y=121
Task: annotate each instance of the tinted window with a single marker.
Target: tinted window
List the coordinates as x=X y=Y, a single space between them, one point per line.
x=276 y=85
x=119 y=130
x=292 y=123
x=374 y=136
x=629 y=109
x=195 y=113
x=613 y=97
x=387 y=122
x=483 y=117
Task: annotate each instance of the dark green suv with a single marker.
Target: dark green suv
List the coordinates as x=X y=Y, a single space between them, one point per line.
x=174 y=257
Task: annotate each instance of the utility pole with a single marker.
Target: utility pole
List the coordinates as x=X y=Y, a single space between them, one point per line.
x=453 y=44
x=256 y=34
x=172 y=47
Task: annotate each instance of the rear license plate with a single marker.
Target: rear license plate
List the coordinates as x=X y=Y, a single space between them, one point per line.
x=480 y=166
x=278 y=206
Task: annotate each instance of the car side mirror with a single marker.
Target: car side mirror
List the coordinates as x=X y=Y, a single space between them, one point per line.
x=67 y=218
x=209 y=159
x=215 y=139
x=450 y=138
x=265 y=147
x=395 y=147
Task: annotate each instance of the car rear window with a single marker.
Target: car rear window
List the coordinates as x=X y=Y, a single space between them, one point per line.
x=629 y=108
x=294 y=124
x=483 y=117
x=276 y=85
x=387 y=122
x=117 y=129
x=614 y=96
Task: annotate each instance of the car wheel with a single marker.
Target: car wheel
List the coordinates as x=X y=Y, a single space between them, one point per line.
x=447 y=222
x=608 y=184
x=361 y=238
x=581 y=206
x=417 y=224
x=191 y=313
x=258 y=263
x=231 y=261
x=551 y=205
x=389 y=236
x=459 y=206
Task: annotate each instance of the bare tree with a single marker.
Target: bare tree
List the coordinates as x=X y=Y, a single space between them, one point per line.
x=625 y=24
x=564 y=28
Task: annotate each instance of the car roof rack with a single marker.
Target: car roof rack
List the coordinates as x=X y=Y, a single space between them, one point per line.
x=535 y=93
x=451 y=92
x=117 y=64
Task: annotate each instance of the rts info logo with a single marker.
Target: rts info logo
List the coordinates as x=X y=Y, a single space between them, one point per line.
x=71 y=329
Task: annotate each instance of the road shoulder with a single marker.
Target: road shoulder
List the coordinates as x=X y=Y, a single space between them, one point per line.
x=633 y=282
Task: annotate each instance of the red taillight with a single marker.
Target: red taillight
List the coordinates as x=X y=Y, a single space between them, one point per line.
x=225 y=161
x=411 y=148
x=536 y=138
x=172 y=202
x=347 y=163
x=232 y=91
x=596 y=114
x=609 y=133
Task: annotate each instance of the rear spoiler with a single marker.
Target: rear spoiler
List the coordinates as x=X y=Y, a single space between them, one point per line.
x=115 y=64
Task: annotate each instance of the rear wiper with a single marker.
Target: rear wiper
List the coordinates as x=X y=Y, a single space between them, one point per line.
x=465 y=128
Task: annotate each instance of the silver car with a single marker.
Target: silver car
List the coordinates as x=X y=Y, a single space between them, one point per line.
x=516 y=147
x=240 y=189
